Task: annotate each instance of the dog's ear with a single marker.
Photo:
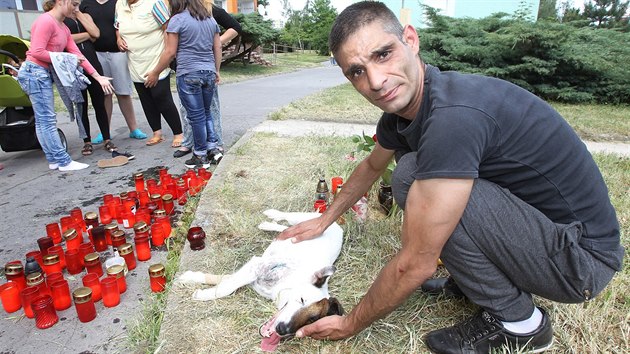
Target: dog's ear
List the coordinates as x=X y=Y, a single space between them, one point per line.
x=321 y=276
x=334 y=307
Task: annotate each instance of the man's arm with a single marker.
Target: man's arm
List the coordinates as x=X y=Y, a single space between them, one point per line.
x=361 y=179
x=433 y=210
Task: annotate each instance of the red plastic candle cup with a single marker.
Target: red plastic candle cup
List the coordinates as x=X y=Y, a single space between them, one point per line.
x=142 y=214
x=91 y=220
x=143 y=249
x=73 y=239
x=117 y=272
x=67 y=222
x=164 y=220
x=335 y=182
x=126 y=251
x=99 y=238
x=77 y=216
x=128 y=219
x=44 y=310
x=93 y=264
x=38 y=257
x=110 y=292
x=138 y=179
x=107 y=198
x=53 y=231
x=104 y=214
x=93 y=281
x=120 y=210
x=167 y=203
x=54 y=277
x=118 y=238
x=58 y=250
x=320 y=205
x=14 y=271
x=27 y=295
x=44 y=244
x=157 y=278
x=157 y=234
x=109 y=228
x=196 y=237
x=52 y=264
x=74 y=264
x=83 y=303
x=61 y=294
x=10 y=296
x=37 y=280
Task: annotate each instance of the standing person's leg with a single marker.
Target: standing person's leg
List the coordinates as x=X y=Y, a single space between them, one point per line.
x=215 y=110
x=214 y=154
x=187 y=143
x=190 y=89
x=98 y=102
x=87 y=145
x=151 y=112
x=164 y=98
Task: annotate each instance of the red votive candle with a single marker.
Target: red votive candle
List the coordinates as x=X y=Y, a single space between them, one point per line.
x=118 y=238
x=93 y=264
x=73 y=239
x=37 y=255
x=126 y=251
x=44 y=310
x=320 y=205
x=73 y=261
x=83 y=303
x=110 y=292
x=109 y=228
x=52 y=264
x=14 y=271
x=93 y=281
x=91 y=220
x=157 y=278
x=67 y=222
x=51 y=278
x=118 y=272
x=99 y=238
x=61 y=294
x=157 y=234
x=143 y=250
x=77 y=216
x=164 y=220
x=85 y=249
x=53 y=231
x=58 y=250
x=44 y=244
x=27 y=295
x=138 y=179
x=167 y=203
x=37 y=280
x=105 y=214
x=128 y=219
x=10 y=296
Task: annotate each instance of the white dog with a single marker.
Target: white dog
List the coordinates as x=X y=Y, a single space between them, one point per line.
x=293 y=275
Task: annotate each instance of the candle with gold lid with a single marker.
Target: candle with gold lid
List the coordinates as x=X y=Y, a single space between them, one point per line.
x=93 y=264
x=14 y=271
x=117 y=271
x=126 y=251
x=86 y=311
x=52 y=264
x=157 y=277
x=73 y=239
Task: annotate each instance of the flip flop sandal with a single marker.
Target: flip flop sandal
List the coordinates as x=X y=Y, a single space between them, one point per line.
x=113 y=162
x=109 y=146
x=177 y=143
x=155 y=140
x=87 y=149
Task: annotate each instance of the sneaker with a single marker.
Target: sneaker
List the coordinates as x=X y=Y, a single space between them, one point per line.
x=215 y=156
x=73 y=166
x=180 y=153
x=137 y=134
x=445 y=286
x=198 y=161
x=483 y=333
x=127 y=154
x=53 y=166
x=98 y=139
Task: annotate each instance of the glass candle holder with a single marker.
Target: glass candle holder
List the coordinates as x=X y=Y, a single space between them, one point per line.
x=320 y=206
x=164 y=220
x=52 y=264
x=14 y=271
x=73 y=261
x=118 y=238
x=54 y=277
x=77 y=216
x=37 y=280
x=110 y=292
x=109 y=228
x=10 y=296
x=93 y=264
x=99 y=239
x=157 y=235
x=141 y=229
x=118 y=272
x=142 y=214
x=58 y=250
x=105 y=214
x=60 y=294
x=44 y=244
x=196 y=237
x=73 y=240
x=27 y=295
x=143 y=249
x=157 y=199
x=138 y=179
x=126 y=251
x=53 y=231
x=93 y=281
x=44 y=310
x=157 y=277
x=83 y=303
x=91 y=220
x=67 y=222
x=120 y=210
x=128 y=219
x=167 y=203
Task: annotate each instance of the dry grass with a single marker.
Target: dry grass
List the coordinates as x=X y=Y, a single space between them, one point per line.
x=281 y=173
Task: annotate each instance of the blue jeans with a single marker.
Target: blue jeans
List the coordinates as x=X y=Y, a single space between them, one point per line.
x=215 y=111
x=196 y=91
x=38 y=85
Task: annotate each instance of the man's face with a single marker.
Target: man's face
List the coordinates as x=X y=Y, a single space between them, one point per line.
x=384 y=69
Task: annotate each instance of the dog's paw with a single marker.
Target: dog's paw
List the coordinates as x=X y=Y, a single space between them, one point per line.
x=271 y=226
x=274 y=214
x=205 y=294
x=192 y=277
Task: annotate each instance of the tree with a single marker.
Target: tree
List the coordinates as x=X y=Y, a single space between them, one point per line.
x=547 y=10
x=294 y=31
x=607 y=13
x=321 y=16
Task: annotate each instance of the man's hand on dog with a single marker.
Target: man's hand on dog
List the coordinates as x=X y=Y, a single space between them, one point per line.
x=329 y=328
x=303 y=231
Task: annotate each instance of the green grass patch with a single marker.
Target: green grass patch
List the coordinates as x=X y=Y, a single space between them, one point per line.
x=598 y=122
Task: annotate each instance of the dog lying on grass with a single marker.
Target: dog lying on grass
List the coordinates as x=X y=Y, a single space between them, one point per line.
x=293 y=275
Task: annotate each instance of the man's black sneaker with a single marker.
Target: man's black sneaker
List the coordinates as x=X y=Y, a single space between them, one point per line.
x=127 y=154
x=439 y=286
x=484 y=333
x=197 y=161
x=215 y=156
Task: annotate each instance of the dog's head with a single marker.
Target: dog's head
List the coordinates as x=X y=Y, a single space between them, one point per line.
x=301 y=305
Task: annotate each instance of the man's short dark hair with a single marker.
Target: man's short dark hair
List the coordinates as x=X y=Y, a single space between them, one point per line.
x=360 y=14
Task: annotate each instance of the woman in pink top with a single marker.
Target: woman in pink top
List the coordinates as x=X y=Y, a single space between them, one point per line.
x=49 y=34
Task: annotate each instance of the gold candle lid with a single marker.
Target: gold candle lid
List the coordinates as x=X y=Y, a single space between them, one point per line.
x=124 y=195
x=34 y=279
x=159 y=213
x=82 y=295
x=125 y=249
x=116 y=270
x=118 y=233
x=167 y=197
x=13 y=268
x=180 y=182
x=69 y=234
x=156 y=270
x=141 y=226
x=155 y=196
x=138 y=175
x=111 y=226
x=50 y=259
x=91 y=257
x=90 y=215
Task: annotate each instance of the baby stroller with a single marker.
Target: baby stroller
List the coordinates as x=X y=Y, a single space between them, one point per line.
x=17 y=120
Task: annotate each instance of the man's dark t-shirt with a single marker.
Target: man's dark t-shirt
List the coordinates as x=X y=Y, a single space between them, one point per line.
x=103 y=16
x=471 y=126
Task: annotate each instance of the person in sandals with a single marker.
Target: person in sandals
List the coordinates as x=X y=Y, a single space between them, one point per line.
x=492 y=181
